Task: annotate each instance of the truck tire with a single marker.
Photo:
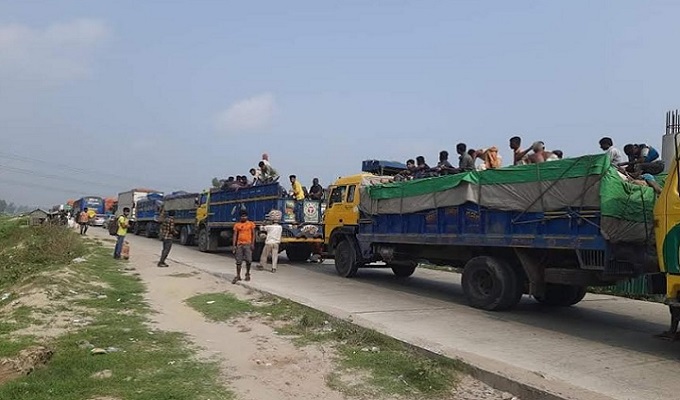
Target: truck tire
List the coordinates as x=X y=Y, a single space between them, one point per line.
x=346 y=259
x=403 y=271
x=149 y=231
x=557 y=295
x=206 y=242
x=136 y=230
x=184 y=238
x=298 y=252
x=491 y=284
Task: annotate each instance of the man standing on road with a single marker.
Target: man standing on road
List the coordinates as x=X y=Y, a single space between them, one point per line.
x=271 y=243
x=123 y=224
x=167 y=234
x=243 y=245
x=84 y=221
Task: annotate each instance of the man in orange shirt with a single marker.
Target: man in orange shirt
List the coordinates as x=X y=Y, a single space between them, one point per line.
x=243 y=245
x=83 y=220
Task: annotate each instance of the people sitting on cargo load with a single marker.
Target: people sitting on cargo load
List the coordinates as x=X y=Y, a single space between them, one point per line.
x=422 y=170
x=490 y=158
x=615 y=155
x=558 y=155
x=444 y=167
x=257 y=176
x=298 y=192
x=408 y=173
x=268 y=172
x=465 y=162
x=643 y=159
x=316 y=191
x=540 y=154
x=519 y=156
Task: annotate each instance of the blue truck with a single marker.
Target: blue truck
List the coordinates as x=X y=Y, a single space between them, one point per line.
x=219 y=209
x=147 y=215
x=184 y=204
x=94 y=204
x=549 y=230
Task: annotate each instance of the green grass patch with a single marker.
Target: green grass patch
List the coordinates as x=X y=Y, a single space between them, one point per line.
x=145 y=364
x=391 y=367
x=219 y=306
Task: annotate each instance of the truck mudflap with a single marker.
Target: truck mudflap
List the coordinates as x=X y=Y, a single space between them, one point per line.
x=672 y=334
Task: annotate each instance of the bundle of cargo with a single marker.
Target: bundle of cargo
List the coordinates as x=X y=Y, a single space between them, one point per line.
x=544 y=191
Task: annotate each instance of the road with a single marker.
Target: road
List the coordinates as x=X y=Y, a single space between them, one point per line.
x=602 y=348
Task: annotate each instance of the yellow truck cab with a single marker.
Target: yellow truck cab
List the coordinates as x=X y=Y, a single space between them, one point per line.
x=342 y=205
x=667 y=235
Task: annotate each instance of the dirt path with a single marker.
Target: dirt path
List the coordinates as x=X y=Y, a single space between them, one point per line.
x=255 y=362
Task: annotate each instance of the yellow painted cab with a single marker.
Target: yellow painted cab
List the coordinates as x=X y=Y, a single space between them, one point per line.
x=342 y=215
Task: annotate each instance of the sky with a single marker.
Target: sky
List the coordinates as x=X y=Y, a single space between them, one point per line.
x=99 y=97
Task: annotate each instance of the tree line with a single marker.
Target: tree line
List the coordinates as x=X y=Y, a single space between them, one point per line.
x=11 y=208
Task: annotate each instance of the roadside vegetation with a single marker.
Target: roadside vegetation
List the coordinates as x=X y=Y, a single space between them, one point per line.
x=368 y=363
x=73 y=325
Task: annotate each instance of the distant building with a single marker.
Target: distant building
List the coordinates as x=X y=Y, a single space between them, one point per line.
x=37 y=217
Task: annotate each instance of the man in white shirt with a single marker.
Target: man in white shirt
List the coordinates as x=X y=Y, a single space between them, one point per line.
x=271 y=243
x=615 y=155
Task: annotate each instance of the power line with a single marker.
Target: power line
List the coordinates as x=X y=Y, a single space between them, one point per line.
x=122 y=178
x=40 y=186
x=50 y=176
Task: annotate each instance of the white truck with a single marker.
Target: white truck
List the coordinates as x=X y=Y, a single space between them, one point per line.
x=129 y=199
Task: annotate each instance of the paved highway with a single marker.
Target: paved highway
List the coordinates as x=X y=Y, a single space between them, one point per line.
x=602 y=348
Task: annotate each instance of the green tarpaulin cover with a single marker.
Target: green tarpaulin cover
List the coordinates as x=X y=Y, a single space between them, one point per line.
x=618 y=198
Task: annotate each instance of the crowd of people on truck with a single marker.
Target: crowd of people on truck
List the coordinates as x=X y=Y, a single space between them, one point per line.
x=642 y=164
x=266 y=174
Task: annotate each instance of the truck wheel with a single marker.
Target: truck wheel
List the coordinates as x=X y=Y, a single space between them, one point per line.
x=203 y=240
x=558 y=295
x=184 y=236
x=346 y=259
x=135 y=230
x=491 y=284
x=298 y=252
x=148 y=232
x=403 y=271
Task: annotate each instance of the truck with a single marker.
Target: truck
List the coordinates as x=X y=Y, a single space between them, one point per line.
x=549 y=230
x=184 y=205
x=148 y=214
x=94 y=205
x=219 y=209
x=129 y=200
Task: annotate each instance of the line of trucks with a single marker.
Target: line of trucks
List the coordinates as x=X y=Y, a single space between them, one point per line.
x=548 y=230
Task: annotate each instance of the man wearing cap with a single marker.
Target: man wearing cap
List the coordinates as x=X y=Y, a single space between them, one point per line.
x=271 y=243
x=243 y=245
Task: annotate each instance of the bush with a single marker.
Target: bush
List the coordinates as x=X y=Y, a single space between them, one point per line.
x=28 y=250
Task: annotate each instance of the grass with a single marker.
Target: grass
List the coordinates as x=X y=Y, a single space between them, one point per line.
x=146 y=364
x=391 y=367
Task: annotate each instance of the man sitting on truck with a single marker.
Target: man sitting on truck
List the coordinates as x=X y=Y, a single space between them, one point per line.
x=422 y=170
x=408 y=173
x=257 y=176
x=643 y=159
x=444 y=167
x=269 y=174
x=465 y=162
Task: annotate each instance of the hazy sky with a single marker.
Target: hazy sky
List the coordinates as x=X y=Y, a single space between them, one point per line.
x=100 y=97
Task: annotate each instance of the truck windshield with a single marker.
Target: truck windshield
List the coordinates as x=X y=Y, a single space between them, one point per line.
x=337 y=195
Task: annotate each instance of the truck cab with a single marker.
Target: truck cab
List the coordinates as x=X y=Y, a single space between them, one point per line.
x=341 y=214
